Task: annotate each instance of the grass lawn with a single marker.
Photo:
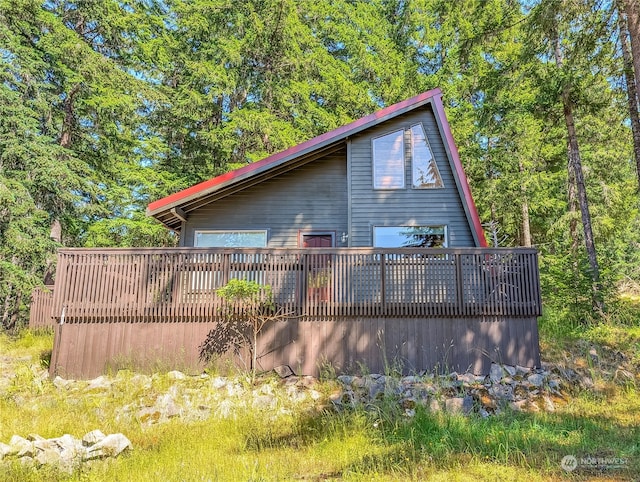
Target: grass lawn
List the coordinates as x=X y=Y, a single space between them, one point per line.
x=309 y=442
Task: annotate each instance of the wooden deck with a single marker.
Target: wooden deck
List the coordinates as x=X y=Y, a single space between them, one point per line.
x=415 y=308
x=317 y=283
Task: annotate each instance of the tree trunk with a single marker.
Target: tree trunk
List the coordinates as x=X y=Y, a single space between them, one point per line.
x=69 y=117
x=65 y=141
x=632 y=11
x=526 y=227
x=575 y=169
x=632 y=91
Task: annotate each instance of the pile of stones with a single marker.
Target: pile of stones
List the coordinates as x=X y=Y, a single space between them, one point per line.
x=505 y=387
x=66 y=452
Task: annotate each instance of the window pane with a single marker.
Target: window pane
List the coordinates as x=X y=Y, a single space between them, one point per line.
x=231 y=239
x=425 y=169
x=409 y=237
x=388 y=161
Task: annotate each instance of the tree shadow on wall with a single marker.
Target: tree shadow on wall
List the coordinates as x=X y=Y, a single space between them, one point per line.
x=228 y=336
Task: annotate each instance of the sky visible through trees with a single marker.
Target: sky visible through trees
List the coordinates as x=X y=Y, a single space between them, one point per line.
x=106 y=106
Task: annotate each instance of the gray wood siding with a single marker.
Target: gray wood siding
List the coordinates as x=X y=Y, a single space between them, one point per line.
x=312 y=197
x=406 y=206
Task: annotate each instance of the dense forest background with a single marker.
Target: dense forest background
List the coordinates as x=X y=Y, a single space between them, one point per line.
x=108 y=105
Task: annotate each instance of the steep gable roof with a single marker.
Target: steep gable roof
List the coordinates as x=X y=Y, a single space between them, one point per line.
x=174 y=209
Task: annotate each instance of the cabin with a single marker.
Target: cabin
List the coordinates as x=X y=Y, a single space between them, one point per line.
x=368 y=237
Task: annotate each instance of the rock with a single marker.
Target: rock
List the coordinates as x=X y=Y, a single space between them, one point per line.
x=307 y=381
x=345 y=379
x=536 y=379
x=586 y=382
x=315 y=395
x=68 y=443
x=548 y=404
x=283 y=371
x=518 y=406
x=45 y=444
x=520 y=392
x=295 y=394
x=264 y=402
x=176 y=375
x=48 y=456
x=225 y=409
x=411 y=380
x=511 y=370
x=92 y=438
x=99 y=383
x=111 y=446
x=60 y=382
x=360 y=382
x=623 y=375
x=141 y=381
x=408 y=403
x=376 y=390
x=434 y=405
x=20 y=447
x=218 y=382
x=4 y=450
x=459 y=404
x=167 y=406
x=495 y=373
x=486 y=400
x=502 y=392
x=467 y=379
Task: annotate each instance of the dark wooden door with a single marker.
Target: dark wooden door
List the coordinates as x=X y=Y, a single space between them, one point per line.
x=319 y=276
x=317 y=240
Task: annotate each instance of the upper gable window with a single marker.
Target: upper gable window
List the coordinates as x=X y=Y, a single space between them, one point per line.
x=425 y=170
x=388 y=161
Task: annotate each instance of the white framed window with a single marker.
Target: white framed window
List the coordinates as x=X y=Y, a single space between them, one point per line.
x=425 y=173
x=231 y=239
x=410 y=236
x=388 y=161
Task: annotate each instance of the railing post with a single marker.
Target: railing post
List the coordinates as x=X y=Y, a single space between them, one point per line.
x=459 y=284
x=383 y=285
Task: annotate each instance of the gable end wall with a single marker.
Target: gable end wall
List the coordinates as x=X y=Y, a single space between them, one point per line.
x=398 y=207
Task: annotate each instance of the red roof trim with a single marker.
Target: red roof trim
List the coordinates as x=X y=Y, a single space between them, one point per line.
x=466 y=190
x=339 y=133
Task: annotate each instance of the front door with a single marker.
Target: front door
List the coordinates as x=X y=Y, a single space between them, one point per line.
x=319 y=274
x=320 y=240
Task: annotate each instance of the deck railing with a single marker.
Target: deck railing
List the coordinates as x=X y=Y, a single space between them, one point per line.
x=40 y=312
x=177 y=284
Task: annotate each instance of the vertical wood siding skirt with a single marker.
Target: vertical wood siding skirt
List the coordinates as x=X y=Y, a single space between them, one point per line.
x=409 y=345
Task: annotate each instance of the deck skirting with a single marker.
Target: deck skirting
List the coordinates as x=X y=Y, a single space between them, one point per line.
x=349 y=345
